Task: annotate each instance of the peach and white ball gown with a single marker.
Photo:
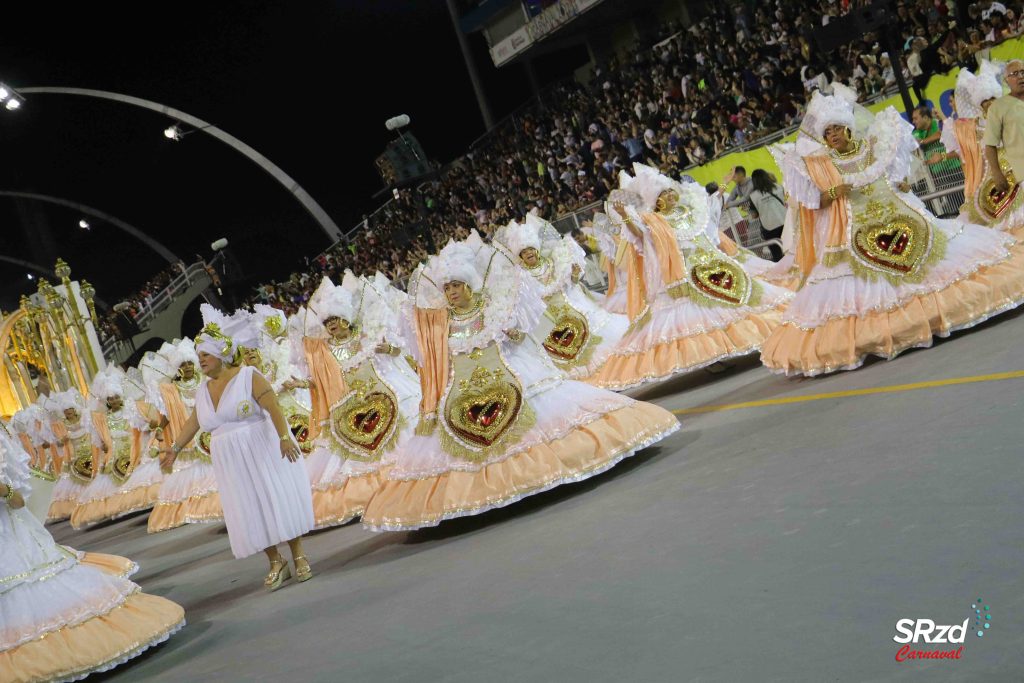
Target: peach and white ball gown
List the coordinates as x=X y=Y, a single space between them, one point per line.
x=983 y=203
x=277 y=367
x=188 y=495
x=364 y=401
x=117 y=447
x=73 y=447
x=497 y=420
x=62 y=618
x=577 y=333
x=882 y=273
x=691 y=304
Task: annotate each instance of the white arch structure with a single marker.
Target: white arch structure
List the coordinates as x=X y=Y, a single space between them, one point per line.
x=100 y=216
x=308 y=203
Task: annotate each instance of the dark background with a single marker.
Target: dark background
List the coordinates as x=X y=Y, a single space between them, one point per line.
x=307 y=83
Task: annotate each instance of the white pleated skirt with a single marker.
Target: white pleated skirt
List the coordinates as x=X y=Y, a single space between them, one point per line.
x=266 y=498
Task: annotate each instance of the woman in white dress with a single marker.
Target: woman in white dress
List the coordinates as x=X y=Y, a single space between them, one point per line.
x=63 y=618
x=262 y=481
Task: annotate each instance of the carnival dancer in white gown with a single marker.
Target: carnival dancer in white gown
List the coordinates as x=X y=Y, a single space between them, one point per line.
x=575 y=331
x=273 y=358
x=188 y=494
x=882 y=273
x=365 y=395
x=61 y=618
x=31 y=426
x=117 y=445
x=497 y=420
x=260 y=475
x=698 y=305
x=963 y=138
x=603 y=239
x=758 y=268
x=73 y=446
x=143 y=484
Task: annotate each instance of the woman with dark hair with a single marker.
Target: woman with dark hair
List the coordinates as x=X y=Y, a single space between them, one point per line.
x=767 y=197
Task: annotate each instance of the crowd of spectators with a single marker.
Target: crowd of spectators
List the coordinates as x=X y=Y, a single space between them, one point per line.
x=739 y=74
x=113 y=322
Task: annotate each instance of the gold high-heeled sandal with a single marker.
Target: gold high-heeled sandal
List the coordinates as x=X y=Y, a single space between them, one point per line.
x=302 y=574
x=276 y=577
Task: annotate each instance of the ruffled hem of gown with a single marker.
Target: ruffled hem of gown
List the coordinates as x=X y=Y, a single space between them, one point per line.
x=406 y=504
x=98 y=644
x=626 y=371
x=114 y=506
x=200 y=509
x=843 y=343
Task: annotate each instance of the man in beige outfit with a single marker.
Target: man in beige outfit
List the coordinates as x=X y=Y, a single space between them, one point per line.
x=1005 y=127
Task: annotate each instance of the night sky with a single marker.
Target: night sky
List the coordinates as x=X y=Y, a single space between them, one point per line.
x=308 y=83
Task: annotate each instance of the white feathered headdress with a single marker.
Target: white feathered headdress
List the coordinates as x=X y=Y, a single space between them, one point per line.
x=271 y=321
x=331 y=301
x=64 y=400
x=649 y=184
x=108 y=383
x=985 y=85
x=179 y=353
x=823 y=111
x=457 y=263
x=520 y=236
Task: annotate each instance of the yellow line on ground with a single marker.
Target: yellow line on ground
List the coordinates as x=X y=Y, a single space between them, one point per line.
x=895 y=388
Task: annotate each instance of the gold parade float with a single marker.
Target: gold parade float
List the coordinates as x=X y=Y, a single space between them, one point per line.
x=49 y=343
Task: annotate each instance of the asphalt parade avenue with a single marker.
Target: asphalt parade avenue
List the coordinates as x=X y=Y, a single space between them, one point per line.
x=779 y=541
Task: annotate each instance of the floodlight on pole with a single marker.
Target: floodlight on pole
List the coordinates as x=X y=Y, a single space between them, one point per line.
x=325 y=222
x=10 y=97
x=84 y=224
x=397 y=122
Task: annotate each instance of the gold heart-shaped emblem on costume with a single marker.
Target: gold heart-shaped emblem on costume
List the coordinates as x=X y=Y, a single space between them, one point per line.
x=81 y=468
x=568 y=337
x=995 y=202
x=203 y=441
x=720 y=280
x=364 y=420
x=898 y=245
x=299 y=424
x=121 y=465
x=482 y=413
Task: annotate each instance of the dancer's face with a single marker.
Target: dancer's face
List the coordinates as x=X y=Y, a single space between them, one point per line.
x=529 y=257
x=835 y=137
x=115 y=403
x=187 y=370
x=209 y=364
x=70 y=414
x=251 y=357
x=339 y=328
x=458 y=294
x=667 y=200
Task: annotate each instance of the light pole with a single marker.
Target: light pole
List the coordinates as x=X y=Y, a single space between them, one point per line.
x=308 y=203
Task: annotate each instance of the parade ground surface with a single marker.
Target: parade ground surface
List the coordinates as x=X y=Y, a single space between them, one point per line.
x=779 y=536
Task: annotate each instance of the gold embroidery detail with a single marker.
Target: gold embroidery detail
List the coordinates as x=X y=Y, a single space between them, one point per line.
x=120 y=466
x=365 y=423
x=569 y=340
x=991 y=203
x=887 y=240
x=484 y=411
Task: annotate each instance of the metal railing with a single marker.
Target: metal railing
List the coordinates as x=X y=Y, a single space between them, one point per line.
x=155 y=305
x=114 y=347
